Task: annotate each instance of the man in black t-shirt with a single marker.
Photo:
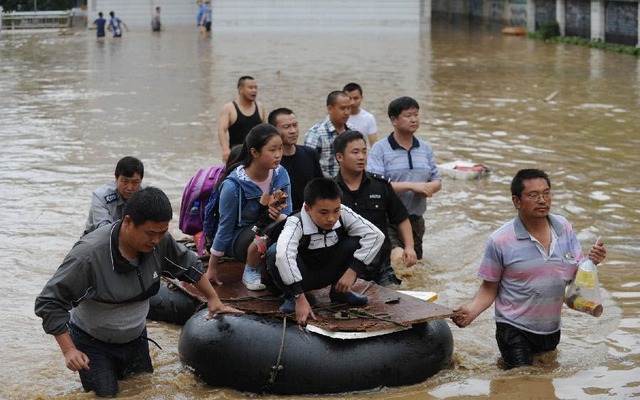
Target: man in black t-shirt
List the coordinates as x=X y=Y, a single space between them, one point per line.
x=373 y=197
x=301 y=162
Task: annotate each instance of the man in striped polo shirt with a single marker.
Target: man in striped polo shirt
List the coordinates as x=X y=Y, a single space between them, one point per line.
x=410 y=166
x=526 y=267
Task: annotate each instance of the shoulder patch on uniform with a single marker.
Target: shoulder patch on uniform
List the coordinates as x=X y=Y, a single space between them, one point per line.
x=110 y=198
x=381 y=177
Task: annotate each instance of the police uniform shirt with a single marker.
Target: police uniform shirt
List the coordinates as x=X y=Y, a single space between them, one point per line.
x=375 y=200
x=106 y=207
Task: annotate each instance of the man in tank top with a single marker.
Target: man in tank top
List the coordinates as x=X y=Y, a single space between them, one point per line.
x=239 y=116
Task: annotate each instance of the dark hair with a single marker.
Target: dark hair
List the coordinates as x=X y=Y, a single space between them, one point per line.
x=320 y=189
x=112 y=13
x=332 y=98
x=517 y=185
x=273 y=115
x=397 y=106
x=342 y=140
x=127 y=166
x=244 y=78
x=257 y=138
x=148 y=204
x=234 y=153
x=350 y=87
x=100 y=14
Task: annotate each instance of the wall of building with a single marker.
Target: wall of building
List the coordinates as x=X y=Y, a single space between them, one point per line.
x=545 y=10
x=578 y=18
x=614 y=21
x=621 y=22
x=252 y=13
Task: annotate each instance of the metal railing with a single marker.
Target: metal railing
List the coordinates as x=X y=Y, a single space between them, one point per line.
x=36 y=20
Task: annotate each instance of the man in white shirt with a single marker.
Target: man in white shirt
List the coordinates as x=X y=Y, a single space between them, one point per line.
x=361 y=119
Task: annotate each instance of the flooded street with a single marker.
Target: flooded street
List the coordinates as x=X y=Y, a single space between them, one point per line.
x=71 y=106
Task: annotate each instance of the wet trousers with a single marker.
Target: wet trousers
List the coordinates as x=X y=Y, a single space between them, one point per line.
x=109 y=362
x=518 y=346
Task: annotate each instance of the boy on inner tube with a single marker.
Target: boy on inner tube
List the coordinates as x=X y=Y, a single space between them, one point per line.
x=326 y=243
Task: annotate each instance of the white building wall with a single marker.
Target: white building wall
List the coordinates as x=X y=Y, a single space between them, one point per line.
x=252 y=13
x=597 y=20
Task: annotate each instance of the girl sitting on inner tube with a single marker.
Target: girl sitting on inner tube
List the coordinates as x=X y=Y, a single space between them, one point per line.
x=256 y=171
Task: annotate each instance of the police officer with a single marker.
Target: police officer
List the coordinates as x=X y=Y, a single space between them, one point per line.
x=108 y=201
x=373 y=197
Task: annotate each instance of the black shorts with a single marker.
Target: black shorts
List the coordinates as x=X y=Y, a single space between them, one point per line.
x=518 y=346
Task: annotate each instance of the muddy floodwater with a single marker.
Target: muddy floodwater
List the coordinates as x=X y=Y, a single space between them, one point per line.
x=71 y=106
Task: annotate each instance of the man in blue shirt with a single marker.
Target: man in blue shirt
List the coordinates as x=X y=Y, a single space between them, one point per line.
x=100 y=23
x=410 y=164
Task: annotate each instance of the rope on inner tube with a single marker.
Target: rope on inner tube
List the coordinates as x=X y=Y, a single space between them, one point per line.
x=273 y=373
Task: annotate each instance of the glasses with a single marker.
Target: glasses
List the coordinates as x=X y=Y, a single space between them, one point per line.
x=536 y=196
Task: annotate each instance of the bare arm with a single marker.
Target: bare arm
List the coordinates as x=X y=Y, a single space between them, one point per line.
x=373 y=137
x=485 y=296
x=261 y=112
x=212 y=270
x=213 y=301
x=303 y=310
x=223 y=127
x=425 y=189
x=409 y=256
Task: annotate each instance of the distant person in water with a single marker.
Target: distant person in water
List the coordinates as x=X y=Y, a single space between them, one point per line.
x=116 y=24
x=201 y=17
x=156 y=24
x=100 y=23
x=207 y=16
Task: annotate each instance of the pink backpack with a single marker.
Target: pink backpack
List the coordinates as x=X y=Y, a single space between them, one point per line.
x=196 y=196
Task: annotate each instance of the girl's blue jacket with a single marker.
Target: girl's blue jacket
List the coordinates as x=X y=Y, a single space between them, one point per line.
x=240 y=204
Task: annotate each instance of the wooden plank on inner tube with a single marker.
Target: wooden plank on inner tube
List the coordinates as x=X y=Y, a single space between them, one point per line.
x=387 y=309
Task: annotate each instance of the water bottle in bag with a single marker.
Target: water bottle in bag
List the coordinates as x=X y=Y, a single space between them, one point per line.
x=584 y=292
